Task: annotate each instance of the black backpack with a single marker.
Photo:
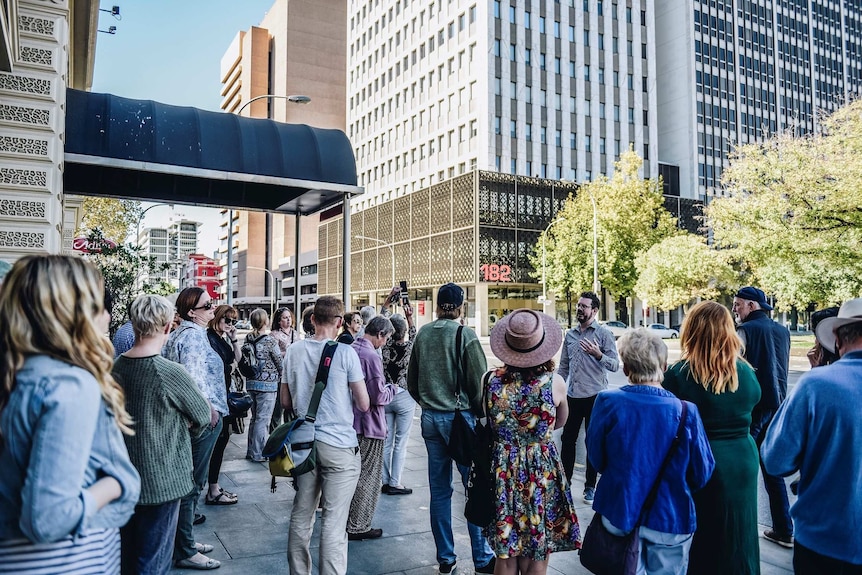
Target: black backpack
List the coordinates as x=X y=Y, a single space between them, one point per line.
x=249 y=365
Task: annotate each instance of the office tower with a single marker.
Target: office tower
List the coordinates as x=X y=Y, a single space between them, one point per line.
x=549 y=89
x=172 y=246
x=298 y=49
x=730 y=73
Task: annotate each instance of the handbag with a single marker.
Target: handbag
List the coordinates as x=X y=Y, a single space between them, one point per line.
x=462 y=437
x=481 y=509
x=238 y=403
x=290 y=448
x=604 y=553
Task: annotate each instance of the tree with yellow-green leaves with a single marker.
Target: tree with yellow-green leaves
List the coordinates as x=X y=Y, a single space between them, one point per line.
x=631 y=218
x=116 y=219
x=793 y=211
x=682 y=268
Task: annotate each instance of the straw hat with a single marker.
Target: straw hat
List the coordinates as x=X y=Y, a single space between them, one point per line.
x=526 y=338
x=850 y=312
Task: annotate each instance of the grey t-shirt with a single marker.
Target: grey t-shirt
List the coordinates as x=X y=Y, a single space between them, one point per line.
x=334 y=424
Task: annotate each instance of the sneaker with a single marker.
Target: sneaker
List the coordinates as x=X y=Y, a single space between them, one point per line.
x=589 y=494
x=489 y=568
x=447 y=567
x=370 y=534
x=783 y=540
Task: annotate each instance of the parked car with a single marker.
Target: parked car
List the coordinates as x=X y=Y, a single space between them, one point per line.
x=663 y=331
x=617 y=328
x=243 y=324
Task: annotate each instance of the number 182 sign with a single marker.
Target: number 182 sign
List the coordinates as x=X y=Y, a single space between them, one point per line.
x=495 y=273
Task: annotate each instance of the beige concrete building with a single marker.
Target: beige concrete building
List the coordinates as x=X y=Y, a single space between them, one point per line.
x=299 y=48
x=45 y=47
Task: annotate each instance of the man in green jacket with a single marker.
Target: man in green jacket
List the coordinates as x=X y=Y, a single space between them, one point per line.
x=432 y=376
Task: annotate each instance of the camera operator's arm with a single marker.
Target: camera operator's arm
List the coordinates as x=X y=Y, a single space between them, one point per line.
x=386 y=308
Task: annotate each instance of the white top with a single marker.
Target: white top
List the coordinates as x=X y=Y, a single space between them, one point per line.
x=334 y=424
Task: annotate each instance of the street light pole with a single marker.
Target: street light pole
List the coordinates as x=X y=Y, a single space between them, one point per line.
x=544 y=282
x=272 y=291
x=296 y=99
x=391 y=250
x=141 y=218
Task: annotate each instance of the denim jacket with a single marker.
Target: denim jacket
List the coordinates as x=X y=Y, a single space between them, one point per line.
x=59 y=437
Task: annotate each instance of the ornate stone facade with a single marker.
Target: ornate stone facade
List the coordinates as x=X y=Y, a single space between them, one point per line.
x=32 y=124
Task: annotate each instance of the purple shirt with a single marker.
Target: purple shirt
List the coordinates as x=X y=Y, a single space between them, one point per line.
x=373 y=422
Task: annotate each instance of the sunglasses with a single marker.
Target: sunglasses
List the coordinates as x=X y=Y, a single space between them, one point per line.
x=208 y=305
x=229 y=321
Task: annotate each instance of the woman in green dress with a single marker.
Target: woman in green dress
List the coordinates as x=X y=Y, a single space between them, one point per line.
x=712 y=375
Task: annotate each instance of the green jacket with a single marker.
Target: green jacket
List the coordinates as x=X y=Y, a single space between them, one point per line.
x=431 y=373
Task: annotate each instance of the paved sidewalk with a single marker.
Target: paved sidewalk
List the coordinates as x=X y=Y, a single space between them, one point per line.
x=251 y=536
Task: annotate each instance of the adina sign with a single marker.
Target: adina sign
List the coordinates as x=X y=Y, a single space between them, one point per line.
x=92 y=247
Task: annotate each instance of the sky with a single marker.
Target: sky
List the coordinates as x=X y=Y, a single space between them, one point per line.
x=171 y=52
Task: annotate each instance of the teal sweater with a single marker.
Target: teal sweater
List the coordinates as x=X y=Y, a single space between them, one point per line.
x=166 y=406
x=431 y=373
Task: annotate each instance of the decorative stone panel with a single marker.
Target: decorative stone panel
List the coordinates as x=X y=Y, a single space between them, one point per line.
x=25 y=85
x=24 y=115
x=34 y=240
x=37 y=147
x=36 y=26
x=22 y=209
x=36 y=56
x=23 y=177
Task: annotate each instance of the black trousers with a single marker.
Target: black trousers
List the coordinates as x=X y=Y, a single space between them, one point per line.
x=580 y=410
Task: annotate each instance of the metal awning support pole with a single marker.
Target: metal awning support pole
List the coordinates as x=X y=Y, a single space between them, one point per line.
x=345 y=252
x=229 y=279
x=297 y=305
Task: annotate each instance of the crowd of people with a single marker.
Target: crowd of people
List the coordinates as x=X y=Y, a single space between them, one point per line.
x=107 y=451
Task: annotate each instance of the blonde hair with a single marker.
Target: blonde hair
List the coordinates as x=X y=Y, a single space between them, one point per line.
x=259 y=318
x=150 y=314
x=643 y=354
x=48 y=306
x=710 y=347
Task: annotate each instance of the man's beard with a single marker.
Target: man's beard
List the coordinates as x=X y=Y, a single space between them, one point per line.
x=581 y=316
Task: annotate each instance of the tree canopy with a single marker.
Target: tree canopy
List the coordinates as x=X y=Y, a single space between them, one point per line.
x=116 y=219
x=793 y=211
x=630 y=218
x=681 y=268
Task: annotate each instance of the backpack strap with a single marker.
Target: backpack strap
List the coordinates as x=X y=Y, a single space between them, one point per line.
x=459 y=372
x=320 y=381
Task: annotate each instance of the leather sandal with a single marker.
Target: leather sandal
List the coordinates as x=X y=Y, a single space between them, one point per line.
x=221 y=499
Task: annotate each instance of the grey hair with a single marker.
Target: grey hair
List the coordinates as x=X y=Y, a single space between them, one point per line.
x=367 y=313
x=150 y=314
x=399 y=324
x=379 y=325
x=644 y=355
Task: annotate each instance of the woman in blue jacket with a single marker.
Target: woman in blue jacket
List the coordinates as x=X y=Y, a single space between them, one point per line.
x=631 y=431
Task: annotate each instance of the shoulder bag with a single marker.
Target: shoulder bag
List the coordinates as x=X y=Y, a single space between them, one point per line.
x=290 y=448
x=462 y=437
x=604 y=553
x=481 y=509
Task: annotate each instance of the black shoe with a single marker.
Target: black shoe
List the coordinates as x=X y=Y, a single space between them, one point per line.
x=489 y=568
x=370 y=534
x=385 y=490
x=199 y=518
x=398 y=491
x=447 y=567
x=783 y=540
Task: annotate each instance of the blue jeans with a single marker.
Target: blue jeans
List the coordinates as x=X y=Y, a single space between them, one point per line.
x=262 y=404
x=436 y=428
x=202 y=449
x=399 y=420
x=776 y=490
x=148 y=539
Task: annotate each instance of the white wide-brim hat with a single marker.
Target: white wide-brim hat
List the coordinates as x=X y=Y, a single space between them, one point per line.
x=526 y=338
x=850 y=312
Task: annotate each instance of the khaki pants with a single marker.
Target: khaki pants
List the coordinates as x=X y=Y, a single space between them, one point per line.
x=332 y=483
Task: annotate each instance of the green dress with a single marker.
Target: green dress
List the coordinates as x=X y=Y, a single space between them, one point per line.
x=726 y=540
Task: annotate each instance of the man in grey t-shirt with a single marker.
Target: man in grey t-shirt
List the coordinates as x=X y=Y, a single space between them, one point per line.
x=589 y=352
x=333 y=481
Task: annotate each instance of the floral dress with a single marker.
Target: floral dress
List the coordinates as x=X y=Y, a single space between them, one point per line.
x=535 y=513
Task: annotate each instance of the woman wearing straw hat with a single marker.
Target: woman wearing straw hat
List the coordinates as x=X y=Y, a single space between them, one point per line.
x=526 y=401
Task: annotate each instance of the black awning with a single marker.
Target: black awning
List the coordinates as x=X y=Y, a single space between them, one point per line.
x=118 y=147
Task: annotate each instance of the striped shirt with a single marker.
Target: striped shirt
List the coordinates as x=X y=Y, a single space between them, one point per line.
x=94 y=552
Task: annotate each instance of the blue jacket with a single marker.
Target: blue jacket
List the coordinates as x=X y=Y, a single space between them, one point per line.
x=630 y=432
x=59 y=438
x=767 y=349
x=818 y=431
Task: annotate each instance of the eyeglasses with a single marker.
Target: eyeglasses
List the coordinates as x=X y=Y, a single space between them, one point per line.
x=230 y=321
x=208 y=305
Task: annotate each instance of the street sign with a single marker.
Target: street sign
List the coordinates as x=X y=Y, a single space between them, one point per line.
x=92 y=247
